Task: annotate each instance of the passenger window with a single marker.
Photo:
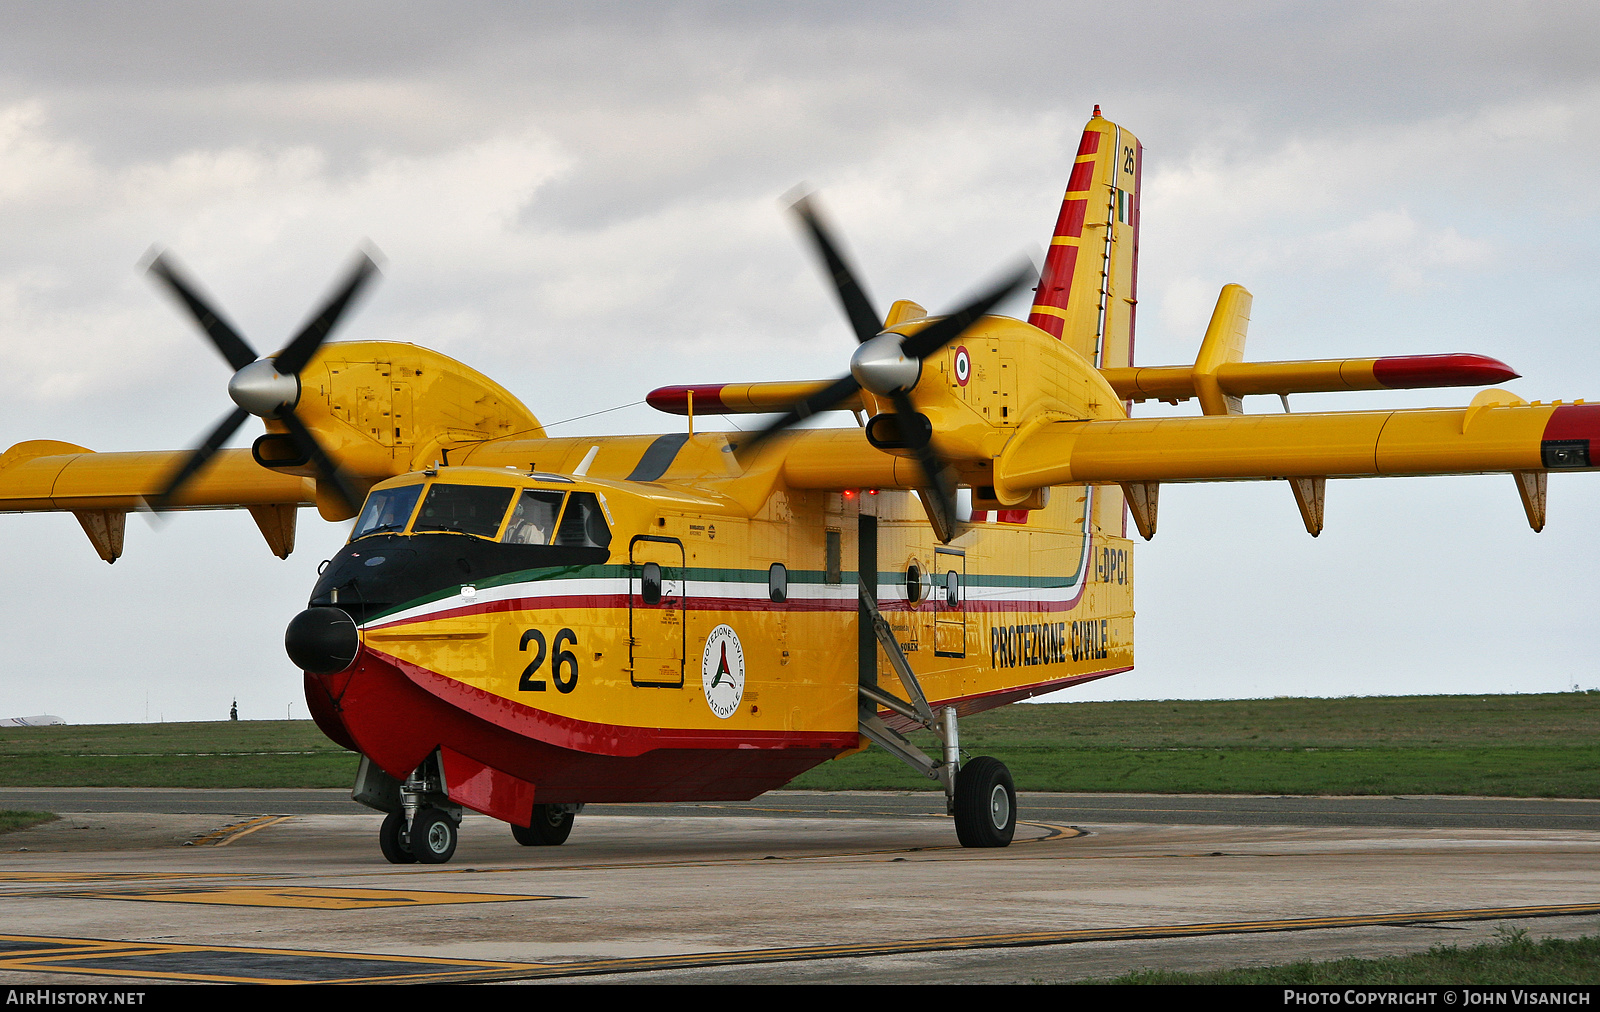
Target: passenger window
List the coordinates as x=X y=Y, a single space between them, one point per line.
x=533 y=520
x=952 y=589
x=464 y=509
x=583 y=525
x=650 y=583
x=778 y=582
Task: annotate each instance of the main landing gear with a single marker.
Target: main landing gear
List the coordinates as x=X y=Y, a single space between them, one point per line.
x=985 y=804
x=549 y=827
x=979 y=794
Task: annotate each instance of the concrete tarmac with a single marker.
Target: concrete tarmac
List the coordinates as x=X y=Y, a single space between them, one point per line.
x=790 y=888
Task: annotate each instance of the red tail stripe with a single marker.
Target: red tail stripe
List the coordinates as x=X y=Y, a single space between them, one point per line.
x=1081 y=178
x=1090 y=143
x=1071 y=221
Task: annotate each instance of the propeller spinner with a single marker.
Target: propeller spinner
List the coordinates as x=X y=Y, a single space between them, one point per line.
x=890 y=365
x=265 y=387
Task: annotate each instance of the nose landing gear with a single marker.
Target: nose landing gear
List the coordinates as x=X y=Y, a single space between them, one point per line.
x=394 y=839
x=433 y=836
x=422 y=823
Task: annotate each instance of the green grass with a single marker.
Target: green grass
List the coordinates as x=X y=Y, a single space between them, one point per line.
x=244 y=753
x=11 y=819
x=1513 y=746
x=1516 y=746
x=1513 y=960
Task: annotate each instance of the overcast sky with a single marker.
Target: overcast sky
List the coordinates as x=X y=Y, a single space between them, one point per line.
x=582 y=202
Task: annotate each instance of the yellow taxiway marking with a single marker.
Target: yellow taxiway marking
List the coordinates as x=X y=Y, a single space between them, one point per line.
x=227 y=834
x=312 y=897
x=282 y=966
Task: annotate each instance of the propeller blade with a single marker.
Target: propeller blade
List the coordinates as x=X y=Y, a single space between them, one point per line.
x=822 y=400
x=233 y=347
x=864 y=320
x=936 y=335
x=294 y=357
x=939 y=495
x=198 y=458
x=325 y=466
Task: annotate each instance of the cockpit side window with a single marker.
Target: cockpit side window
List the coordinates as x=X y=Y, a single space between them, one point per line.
x=387 y=510
x=583 y=525
x=464 y=509
x=533 y=520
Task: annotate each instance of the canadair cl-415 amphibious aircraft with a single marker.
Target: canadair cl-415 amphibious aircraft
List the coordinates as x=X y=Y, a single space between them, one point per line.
x=521 y=624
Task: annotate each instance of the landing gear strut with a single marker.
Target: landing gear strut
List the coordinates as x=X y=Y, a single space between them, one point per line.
x=980 y=794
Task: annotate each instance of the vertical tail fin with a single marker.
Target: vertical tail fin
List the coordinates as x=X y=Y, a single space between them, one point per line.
x=1088 y=291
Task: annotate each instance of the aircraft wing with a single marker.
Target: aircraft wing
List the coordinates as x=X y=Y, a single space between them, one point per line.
x=1497 y=432
x=100 y=489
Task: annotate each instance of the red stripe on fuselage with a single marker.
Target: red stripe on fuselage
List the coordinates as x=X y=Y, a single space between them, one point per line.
x=598 y=738
x=714 y=604
x=397 y=718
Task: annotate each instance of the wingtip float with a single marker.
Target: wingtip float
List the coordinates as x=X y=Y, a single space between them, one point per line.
x=521 y=624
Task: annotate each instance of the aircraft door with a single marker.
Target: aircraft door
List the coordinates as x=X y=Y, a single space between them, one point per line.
x=949 y=602
x=655 y=611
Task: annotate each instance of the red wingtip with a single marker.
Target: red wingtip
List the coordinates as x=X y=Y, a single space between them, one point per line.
x=1408 y=372
x=1097 y=111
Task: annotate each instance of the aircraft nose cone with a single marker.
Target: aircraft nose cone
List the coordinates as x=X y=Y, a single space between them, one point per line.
x=322 y=640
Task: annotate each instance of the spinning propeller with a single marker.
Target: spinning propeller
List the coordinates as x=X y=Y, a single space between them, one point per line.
x=268 y=388
x=890 y=365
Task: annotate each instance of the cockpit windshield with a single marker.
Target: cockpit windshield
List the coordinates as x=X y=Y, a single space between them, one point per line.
x=387 y=510
x=534 y=518
x=583 y=525
x=537 y=519
x=464 y=509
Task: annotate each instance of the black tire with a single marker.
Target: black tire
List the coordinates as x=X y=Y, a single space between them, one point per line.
x=549 y=827
x=986 y=804
x=433 y=837
x=393 y=841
